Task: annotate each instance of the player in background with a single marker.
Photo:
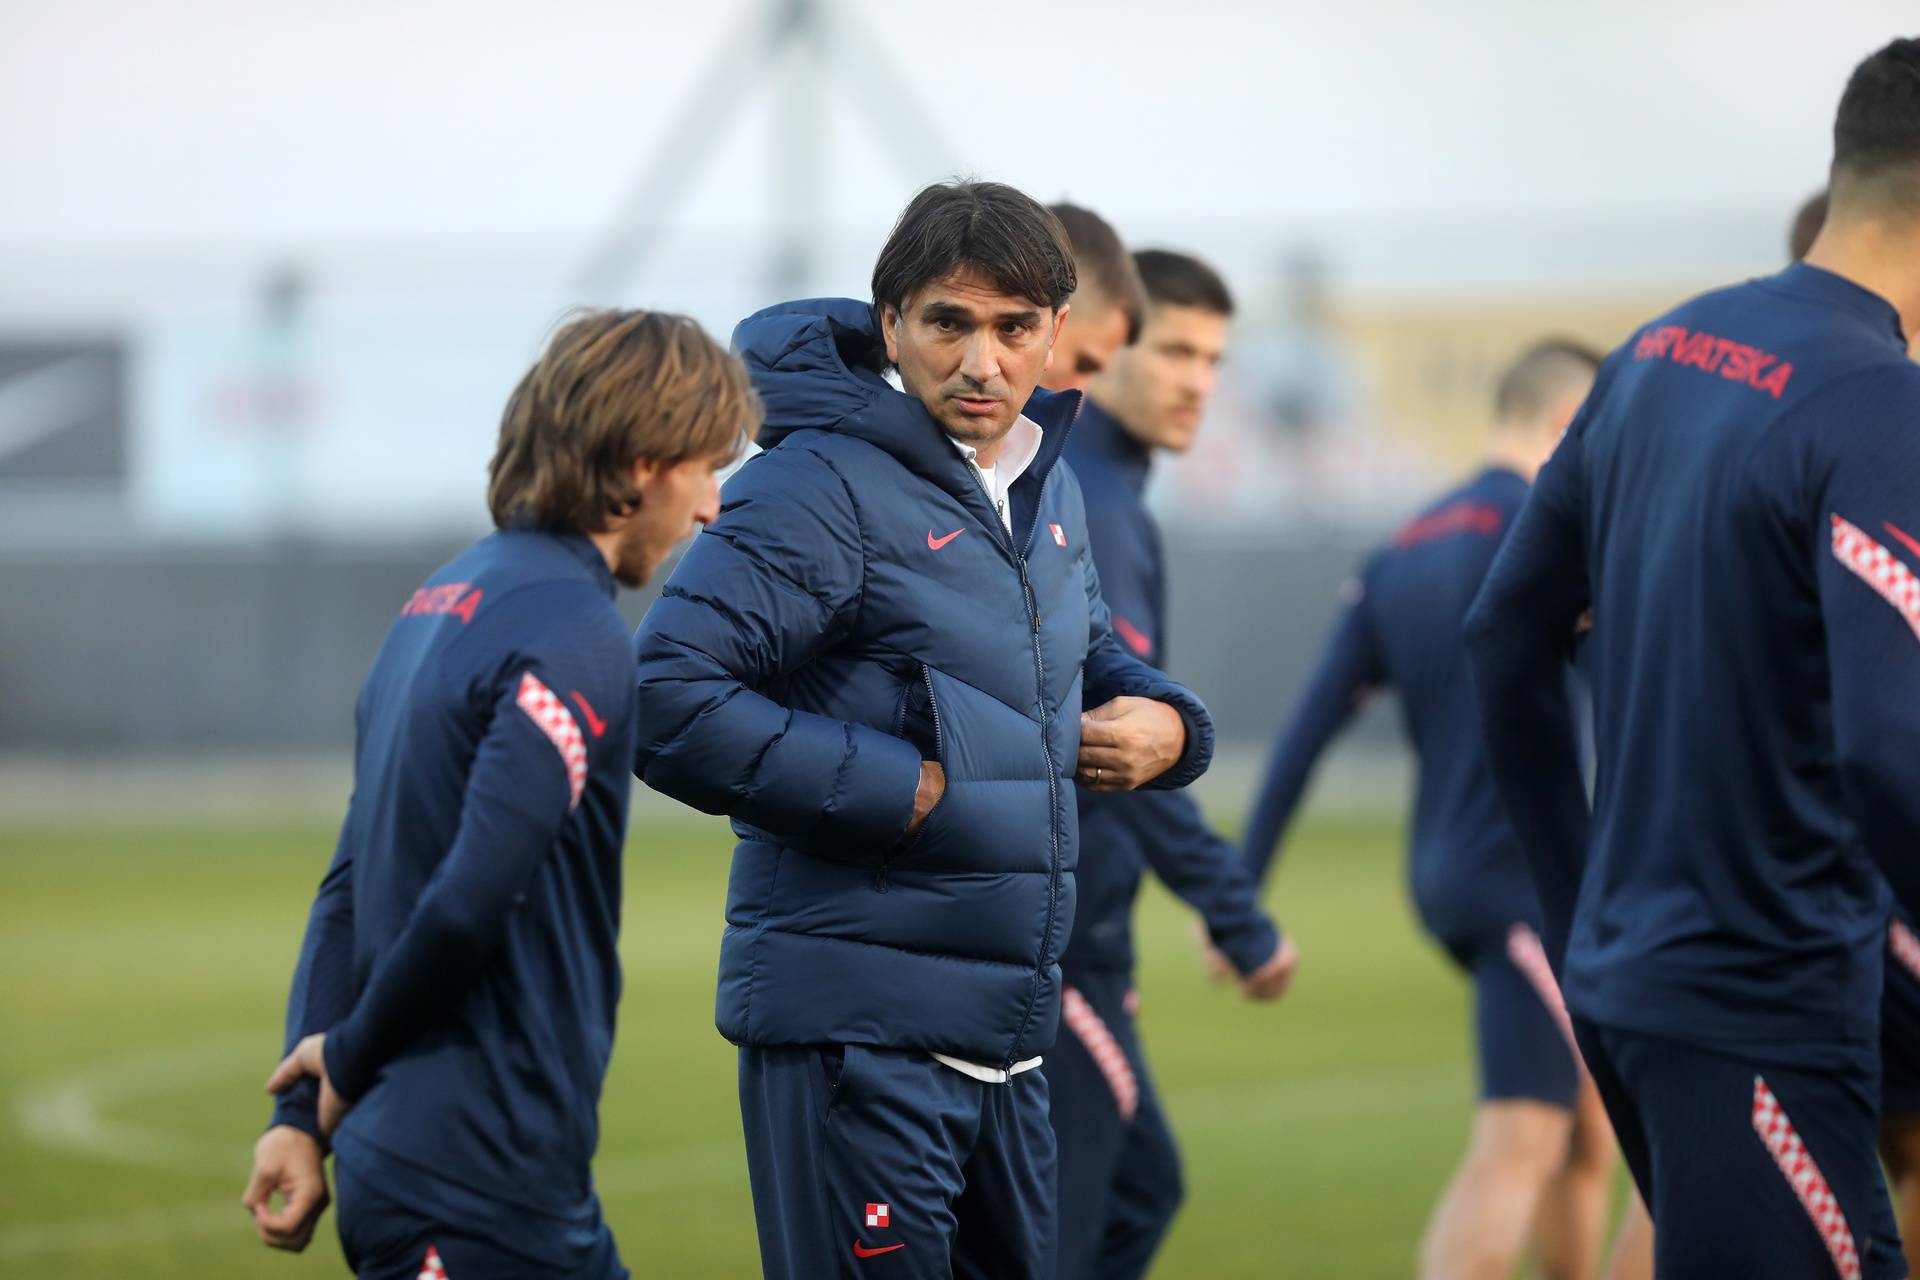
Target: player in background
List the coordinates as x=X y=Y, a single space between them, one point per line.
x=1539 y=1162
x=1900 y=993
x=1120 y=1182
x=453 y=1006
x=1108 y=303
x=1738 y=504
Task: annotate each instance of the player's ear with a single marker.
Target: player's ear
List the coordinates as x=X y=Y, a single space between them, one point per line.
x=890 y=330
x=1059 y=323
x=646 y=471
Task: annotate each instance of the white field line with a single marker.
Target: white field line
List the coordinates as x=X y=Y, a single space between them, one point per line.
x=78 y=1113
x=128 y=1230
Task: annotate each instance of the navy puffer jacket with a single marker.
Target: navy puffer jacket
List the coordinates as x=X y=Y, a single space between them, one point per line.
x=833 y=629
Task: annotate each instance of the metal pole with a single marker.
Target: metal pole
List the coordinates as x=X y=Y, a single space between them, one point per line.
x=798 y=159
x=691 y=137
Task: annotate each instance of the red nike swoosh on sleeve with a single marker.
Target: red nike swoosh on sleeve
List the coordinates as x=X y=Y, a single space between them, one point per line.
x=1136 y=638
x=1904 y=537
x=594 y=722
x=861 y=1251
x=935 y=544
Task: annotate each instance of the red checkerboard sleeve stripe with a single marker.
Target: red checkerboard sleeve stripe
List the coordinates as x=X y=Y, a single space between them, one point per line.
x=432 y=1268
x=1879 y=568
x=1809 y=1184
x=551 y=715
x=1905 y=947
x=1103 y=1048
x=1530 y=958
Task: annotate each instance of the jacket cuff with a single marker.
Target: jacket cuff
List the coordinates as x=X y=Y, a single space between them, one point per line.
x=1199 y=751
x=872 y=799
x=1249 y=946
x=350 y=1079
x=299 y=1108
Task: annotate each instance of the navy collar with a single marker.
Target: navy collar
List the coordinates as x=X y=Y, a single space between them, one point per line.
x=1806 y=281
x=583 y=549
x=577 y=545
x=1099 y=433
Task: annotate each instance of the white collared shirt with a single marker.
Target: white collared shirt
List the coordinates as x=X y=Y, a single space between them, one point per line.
x=1017 y=452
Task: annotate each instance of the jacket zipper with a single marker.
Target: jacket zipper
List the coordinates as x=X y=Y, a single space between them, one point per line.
x=1032 y=601
x=933 y=706
x=880 y=877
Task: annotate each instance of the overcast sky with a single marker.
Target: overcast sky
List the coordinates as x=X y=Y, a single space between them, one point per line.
x=127 y=124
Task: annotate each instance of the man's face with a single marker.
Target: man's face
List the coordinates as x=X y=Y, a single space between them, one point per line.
x=1087 y=346
x=971 y=353
x=674 y=502
x=1159 y=386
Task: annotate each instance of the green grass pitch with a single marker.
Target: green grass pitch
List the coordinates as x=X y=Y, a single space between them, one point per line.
x=145 y=973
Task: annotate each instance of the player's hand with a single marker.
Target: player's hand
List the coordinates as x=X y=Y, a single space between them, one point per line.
x=1218 y=967
x=933 y=785
x=1271 y=980
x=1127 y=743
x=287 y=1162
x=307 y=1059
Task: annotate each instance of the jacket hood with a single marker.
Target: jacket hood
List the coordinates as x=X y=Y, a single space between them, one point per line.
x=819 y=364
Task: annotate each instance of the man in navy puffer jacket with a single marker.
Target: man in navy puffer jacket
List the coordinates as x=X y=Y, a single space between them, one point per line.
x=875 y=662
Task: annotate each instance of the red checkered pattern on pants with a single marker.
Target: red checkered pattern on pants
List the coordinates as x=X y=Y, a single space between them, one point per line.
x=1530 y=958
x=1809 y=1184
x=1905 y=947
x=1106 y=1052
x=432 y=1268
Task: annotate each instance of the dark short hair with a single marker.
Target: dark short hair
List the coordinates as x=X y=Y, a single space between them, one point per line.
x=613 y=387
x=1876 y=132
x=1103 y=263
x=1540 y=375
x=996 y=229
x=1806 y=225
x=1181 y=280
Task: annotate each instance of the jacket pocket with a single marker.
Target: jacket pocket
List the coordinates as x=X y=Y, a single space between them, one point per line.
x=918 y=722
x=918 y=719
x=826 y=1065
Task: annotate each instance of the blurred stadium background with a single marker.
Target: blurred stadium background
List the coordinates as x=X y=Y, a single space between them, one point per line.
x=267 y=272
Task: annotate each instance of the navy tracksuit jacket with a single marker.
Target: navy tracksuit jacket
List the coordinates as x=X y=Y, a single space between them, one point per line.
x=1735 y=503
x=1469 y=881
x=1123 y=835
x=461 y=952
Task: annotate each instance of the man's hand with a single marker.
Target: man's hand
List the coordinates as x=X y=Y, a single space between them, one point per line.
x=308 y=1060
x=1271 y=980
x=933 y=785
x=1128 y=743
x=287 y=1162
x=1218 y=967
